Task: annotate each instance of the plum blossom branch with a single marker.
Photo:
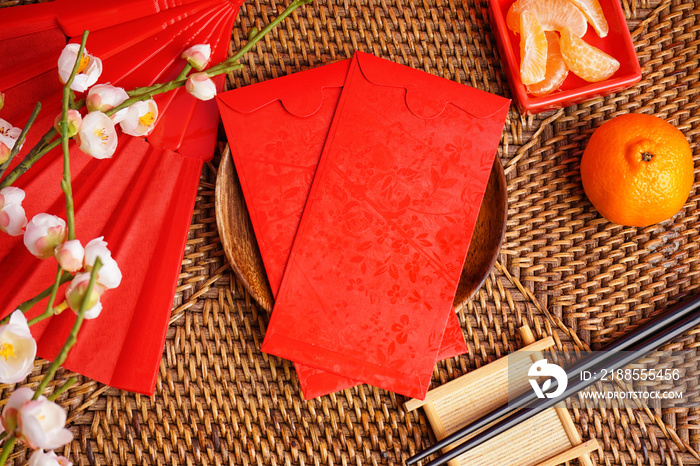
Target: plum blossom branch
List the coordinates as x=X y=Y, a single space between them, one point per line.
x=185 y=71
x=73 y=337
x=152 y=91
x=45 y=144
x=90 y=269
x=48 y=143
x=60 y=390
x=25 y=306
x=52 y=298
x=226 y=66
x=218 y=69
x=66 y=182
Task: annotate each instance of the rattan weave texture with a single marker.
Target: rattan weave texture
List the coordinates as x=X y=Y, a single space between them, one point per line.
x=563 y=269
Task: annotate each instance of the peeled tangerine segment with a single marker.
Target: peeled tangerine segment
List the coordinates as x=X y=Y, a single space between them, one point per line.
x=553 y=15
x=594 y=14
x=586 y=61
x=533 y=49
x=556 y=71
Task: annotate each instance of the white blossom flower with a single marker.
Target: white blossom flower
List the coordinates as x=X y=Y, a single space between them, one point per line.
x=11 y=195
x=198 y=56
x=97 y=136
x=39 y=423
x=8 y=137
x=43 y=234
x=48 y=458
x=13 y=220
x=89 y=70
x=104 y=97
x=70 y=255
x=17 y=349
x=141 y=118
x=94 y=249
x=75 y=121
x=12 y=216
x=109 y=274
x=7 y=130
x=201 y=86
x=77 y=291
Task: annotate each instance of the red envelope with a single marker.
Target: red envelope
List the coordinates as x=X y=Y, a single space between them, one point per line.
x=374 y=267
x=141 y=199
x=276 y=131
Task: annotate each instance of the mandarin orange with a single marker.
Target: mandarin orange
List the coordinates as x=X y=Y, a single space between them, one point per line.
x=593 y=12
x=556 y=70
x=637 y=170
x=584 y=60
x=533 y=49
x=552 y=15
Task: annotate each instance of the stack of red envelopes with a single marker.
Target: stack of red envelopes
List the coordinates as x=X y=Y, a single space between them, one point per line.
x=363 y=179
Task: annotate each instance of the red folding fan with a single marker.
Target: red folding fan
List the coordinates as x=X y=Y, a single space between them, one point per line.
x=142 y=199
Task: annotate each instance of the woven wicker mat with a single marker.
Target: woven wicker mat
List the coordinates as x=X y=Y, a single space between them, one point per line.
x=563 y=269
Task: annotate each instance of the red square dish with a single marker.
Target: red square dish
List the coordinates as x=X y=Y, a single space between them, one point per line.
x=617 y=43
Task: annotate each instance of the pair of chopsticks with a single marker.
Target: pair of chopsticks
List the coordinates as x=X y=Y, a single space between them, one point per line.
x=644 y=339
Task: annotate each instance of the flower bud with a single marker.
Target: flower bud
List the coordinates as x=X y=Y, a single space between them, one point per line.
x=77 y=291
x=104 y=97
x=201 y=86
x=198 y=56
x=17 y=349
x=48 y=458
x=89 y=69
x=43 y=234
x=140 y=118
x=109 y=275
x=97 y=136
x=11 y=195
x=70 y=255
x=4 y=152
x=74 y=122
x=94 y=249
x=2 y=100
x=12 y=216
x=13 y=220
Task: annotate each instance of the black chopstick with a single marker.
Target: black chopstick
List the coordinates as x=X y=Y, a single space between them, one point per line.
x=644 y=338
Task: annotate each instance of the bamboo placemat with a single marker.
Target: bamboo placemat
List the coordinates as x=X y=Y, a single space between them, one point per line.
x=563 y=269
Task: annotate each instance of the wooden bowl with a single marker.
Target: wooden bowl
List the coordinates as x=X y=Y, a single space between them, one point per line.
x=238 y=238
x=488 y=236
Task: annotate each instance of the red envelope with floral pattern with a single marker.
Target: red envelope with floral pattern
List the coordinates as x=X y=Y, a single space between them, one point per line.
x=276 y=130
x=373 y=271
